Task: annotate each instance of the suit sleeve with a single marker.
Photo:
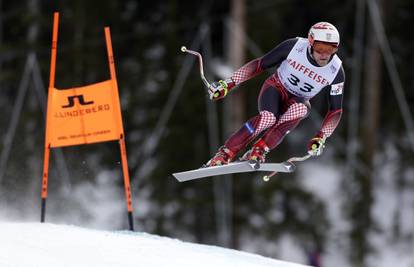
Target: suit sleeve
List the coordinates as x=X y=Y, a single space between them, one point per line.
x=333 y=116
x=269 y=60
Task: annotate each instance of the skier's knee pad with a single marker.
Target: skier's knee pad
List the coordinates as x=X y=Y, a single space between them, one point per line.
x=261 y=122
x=296 y=111
x=267 y=120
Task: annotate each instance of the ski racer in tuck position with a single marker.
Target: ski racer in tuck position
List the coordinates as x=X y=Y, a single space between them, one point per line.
x=305 y=67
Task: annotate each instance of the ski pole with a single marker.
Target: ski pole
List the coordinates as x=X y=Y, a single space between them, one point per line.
x=200 y=60
x=266 y=178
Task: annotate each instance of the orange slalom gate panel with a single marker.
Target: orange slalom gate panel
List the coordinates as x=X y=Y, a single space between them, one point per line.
x=84 y=115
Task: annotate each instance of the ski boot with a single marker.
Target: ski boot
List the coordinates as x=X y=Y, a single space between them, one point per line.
x=257 y=153
x=222 y=157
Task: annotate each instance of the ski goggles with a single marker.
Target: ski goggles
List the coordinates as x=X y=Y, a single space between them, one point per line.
x=324 y=48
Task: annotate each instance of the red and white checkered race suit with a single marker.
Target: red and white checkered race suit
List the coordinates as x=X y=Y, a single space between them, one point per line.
x=284 y=98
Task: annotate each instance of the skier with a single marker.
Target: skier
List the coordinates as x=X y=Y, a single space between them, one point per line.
x=305 y=67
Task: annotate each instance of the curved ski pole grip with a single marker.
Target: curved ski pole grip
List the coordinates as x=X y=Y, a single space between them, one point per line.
x=266 y=178
x=200 y=60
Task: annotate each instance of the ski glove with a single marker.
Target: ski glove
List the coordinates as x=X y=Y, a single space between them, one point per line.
x=220 y=89
x=316 y=146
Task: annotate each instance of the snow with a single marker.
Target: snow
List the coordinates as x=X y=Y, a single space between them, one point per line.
x=49 y=245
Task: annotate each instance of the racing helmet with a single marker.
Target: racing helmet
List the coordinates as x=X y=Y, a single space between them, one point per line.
x=323 y=32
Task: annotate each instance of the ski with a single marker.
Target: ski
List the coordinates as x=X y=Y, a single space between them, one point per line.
x=234 y=167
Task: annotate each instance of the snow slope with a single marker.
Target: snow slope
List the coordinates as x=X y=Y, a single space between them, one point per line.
x=51 y=245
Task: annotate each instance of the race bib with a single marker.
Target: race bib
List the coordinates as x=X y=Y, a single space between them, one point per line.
x=302 y=78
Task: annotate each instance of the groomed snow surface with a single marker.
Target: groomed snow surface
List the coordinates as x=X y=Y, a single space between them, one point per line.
x=51 y=245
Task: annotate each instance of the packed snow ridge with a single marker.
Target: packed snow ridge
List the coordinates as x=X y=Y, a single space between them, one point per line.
x=51 y=245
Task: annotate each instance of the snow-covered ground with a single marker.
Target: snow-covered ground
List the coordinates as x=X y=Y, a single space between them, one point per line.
x=51 y=245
